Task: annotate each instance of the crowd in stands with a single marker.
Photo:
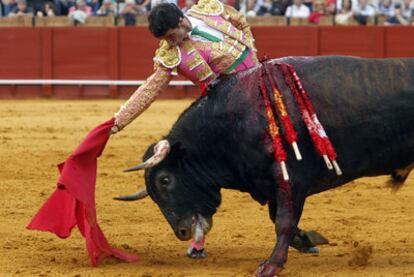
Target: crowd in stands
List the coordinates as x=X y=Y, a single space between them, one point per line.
x=393 y=12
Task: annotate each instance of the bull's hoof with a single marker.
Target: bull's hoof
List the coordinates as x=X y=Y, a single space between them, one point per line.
x=316 y=238
x=310 y=250
x=305 y=242
x=196 y=254
x=268 y=270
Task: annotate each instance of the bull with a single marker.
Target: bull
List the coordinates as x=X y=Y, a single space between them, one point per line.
x=365 y=105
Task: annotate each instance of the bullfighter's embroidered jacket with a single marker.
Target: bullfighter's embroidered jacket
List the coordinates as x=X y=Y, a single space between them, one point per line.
x=201 y=61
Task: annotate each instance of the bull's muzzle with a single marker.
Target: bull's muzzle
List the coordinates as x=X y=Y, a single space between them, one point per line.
x=196 y=227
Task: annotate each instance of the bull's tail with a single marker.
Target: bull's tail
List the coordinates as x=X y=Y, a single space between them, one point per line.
x=399 y=176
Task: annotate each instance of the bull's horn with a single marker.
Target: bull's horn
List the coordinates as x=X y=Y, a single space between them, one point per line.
x=136 y=196
x=161 y=150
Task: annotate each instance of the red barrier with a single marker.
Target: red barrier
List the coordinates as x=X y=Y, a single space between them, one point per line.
x=122 y=53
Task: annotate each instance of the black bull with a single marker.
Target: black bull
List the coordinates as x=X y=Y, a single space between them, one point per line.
x=221 y=141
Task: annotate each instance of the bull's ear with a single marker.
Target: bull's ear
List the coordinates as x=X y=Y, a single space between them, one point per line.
x=177 y=150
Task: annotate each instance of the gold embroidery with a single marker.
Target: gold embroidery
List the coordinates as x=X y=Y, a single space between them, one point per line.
x=232 y=13
x=169 y=57
x=234 y=43
x=194 y=60
x=239 y=21
x=223 y=62
x=208 y=7
x=220 y=59
x=232 y=47
x=188 y=46
x=223 y=54
x=204 y=73
x=224 y=27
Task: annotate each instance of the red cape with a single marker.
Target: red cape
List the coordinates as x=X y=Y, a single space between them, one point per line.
x=73 y=202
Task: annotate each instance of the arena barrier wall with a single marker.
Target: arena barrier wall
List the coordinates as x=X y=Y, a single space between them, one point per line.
x=109 y=62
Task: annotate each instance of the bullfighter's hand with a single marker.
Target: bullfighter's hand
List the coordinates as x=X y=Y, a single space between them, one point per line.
x=115 y=129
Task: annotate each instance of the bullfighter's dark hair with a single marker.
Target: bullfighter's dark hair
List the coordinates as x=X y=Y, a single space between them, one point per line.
x=164 y=17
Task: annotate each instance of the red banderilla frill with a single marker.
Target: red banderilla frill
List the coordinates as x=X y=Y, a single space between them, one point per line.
x=278 y=150
x=315 y=128
x=290 y=132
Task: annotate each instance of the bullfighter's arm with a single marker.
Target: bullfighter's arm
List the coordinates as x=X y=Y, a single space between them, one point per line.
x=142 y=97
x=239 y=21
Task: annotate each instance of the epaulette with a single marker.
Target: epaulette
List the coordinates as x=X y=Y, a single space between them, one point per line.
x=208 y=7
x=170 y=57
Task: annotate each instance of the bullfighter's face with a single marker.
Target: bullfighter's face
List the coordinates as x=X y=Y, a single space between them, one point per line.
x=177 y=35
x=182 y=198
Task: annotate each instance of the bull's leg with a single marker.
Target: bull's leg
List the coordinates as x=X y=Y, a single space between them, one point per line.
x=303 y=241
x=285 y=224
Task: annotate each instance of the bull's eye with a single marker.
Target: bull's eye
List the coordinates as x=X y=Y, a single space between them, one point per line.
x=165 y=181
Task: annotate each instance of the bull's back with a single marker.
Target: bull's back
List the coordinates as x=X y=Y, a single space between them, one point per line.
x=367 y=109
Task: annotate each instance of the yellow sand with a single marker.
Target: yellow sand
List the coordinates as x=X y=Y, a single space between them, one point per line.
x=370 y=229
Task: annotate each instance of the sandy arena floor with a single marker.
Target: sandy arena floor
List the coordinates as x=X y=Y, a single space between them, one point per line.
x=371 y=230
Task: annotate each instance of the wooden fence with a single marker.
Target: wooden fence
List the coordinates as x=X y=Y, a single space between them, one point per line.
x=123 y=53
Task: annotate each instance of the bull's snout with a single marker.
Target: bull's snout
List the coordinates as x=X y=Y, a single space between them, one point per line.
x=184 y=233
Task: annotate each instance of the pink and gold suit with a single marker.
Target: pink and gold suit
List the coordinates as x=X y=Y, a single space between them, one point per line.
x=199 y=61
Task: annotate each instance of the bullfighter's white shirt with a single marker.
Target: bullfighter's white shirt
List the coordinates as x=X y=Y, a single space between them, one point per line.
x=202 y=26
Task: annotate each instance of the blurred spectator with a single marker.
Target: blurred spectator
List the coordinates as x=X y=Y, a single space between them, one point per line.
x=319 y=9
x=130 y=12
x=237 y=4
x=308 y=3
x=345 y=14
x=188 y=5
x=354 y=4
x=62 y=6
x=81 y=6
x=106 y=9
x=330 y=7
x=385 y=7
x=272 y=7
x=407 y=8
x=227 y=2
x=80 y=12
x=36 y=5
x=143 y=6
x=8 y=6
x=402 y=14
x=298 y=9
x=363 y=11
x=21 y=9
x=265 y=8
x=48 y=10
x=94 y=4
x=249 y=7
